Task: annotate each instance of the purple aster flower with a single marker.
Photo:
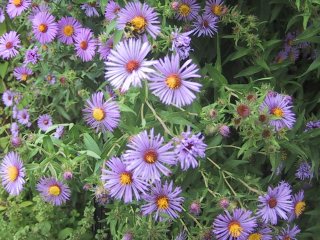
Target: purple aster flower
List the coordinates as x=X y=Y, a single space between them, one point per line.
x=224 y=203
x=170 y=82
x=312 y=125
x=15 y=141
x=12 y=173
x=282 y=55
x=164 y=199
x=187 y=10
x=9 y=45
x=53 y=191
x=22 y=73
x=14 y=128
x=67 y=175
x=299 y=205
x=51 y=79
x=23 y=117
x=195 y=208
x=181 y=44
x=188 y=148
x=121 y=182
x=2 y=16
x=182 y=236
x=147 y=154
x=205 y=26
x=67 y=29
x=214 y=8
x=44 y=27
x=44 y=122
x=237 y=225
x=90 y=9
x=141 y=16
x=43 y=7
x=112 y=10
x=277 y=202
x=304 y=171
x=280 y=110
x=105 y=48
x=288 y=41
x=16 y=7
x=32 y=56
x=288 y=234
x=128 y=236
x=261 y=233
x=293 y=53
x=127 y=66
x=7 y=98
x=85 y=44
x=101 y=115
x=59 y=132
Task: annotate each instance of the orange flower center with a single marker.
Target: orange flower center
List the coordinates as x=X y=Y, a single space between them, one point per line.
x=43 y=28
x=24 y=77
x=139 y=23
x=173 y=81
x=125 y=178
x=132 y=65
x=255 y=236
x=17 y=3
x=278 y=112
x=163 y=202
x=287 y=238
x=272 y=202
x=13 y=173
x=217 y=10
x=235 y=229
x=54 y=190
x=150 y=156
x=9 y=45
x=98 y=114
x=68 y=30
x=184 y=9
x=299 y=208
x=84 y=45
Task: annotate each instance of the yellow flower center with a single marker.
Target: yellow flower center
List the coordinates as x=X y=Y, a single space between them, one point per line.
x=163 y=202
x=217 y=10
x=278 y=112
x=13 y=173
x=68 y=30
x=235 y=229
x=255 y=236
x=43 y=28
x=54 y=190
x=17 y=3
x=150 y=156
x=173 y=81
x=184 y=9
x=139 y=23
x=84 y=45
x=125 y=178
x=9 y=45
x=98 y=114
x=132 y=65
x=299 y=208
x=24 y=77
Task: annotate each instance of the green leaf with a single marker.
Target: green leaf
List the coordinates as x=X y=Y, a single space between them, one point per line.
x=117 y=37
x=240 y=52
x=125 y=108
x=314 y=65
x=65 y=233
x=25 y=204
x=249 y=71
x=91 y=144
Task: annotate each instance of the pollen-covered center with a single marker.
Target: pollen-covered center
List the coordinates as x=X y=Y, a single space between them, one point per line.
x=84 y=45
x=132 y=65
x=255 y=236
x=287 y=237
x=184 y=9
x=98 y=114
x=217 y=10
x=125 y=178
x=139 y=23
x=205 y=23
x=150 y=156
x=54 y=190
x=9 y=45
x=163 y=202
x=43 y=28
x=24 y=77
x=278 y=112
x=235 y=229
x=173 y=81
x=68 y=30
x=17 y=3
x=272 y=202
x=13 y=173
x=299 y=208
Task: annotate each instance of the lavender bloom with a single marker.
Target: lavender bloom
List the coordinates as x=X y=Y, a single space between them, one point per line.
x=101 y=115
x=121 y=182
x=147 y=154
x=224 y=130
x=105 y=48
x=304 y=171
x=112 y=10
x=187 y=10
x=51 y=79
x=9 y=45
x=67 y=29
x=293 y=54
x=312 y=125
x=7 y=98
x=280 y=110
x=44 y=27
x=236 y=226
x=181 y=44
x=127 y=66
x=44 y=122
x=205 y=26
x=67 y=175
x=214 y=8
x=15 y=141
x=43 y=7
x=195 y=208
x=14 y=128
x=288 y=41
x=16 y=7
x=164 y=200
x=90 y=9
x=288 y=233
x=261 y=233
x=298 y=205
x=188 y=148
x=128 y=236
x=32 y=56
x=224 y=203
x=2 y=16
x=23 y=117
x=15 y=112
x=22 y=73
x=141 y=16
x=182 y=236
x=12 y=173
x=59 y=132
x=53 y=191
x=85 y=44
x=277 y=202
x=282 y=55
x=170 y=82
